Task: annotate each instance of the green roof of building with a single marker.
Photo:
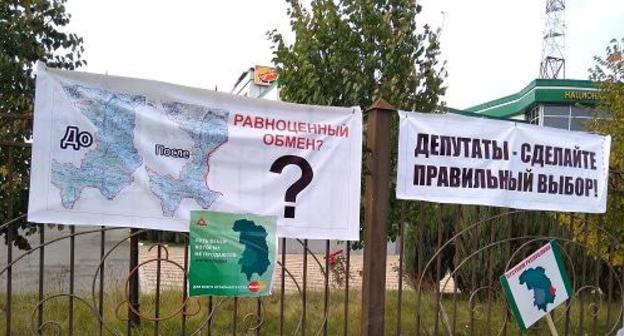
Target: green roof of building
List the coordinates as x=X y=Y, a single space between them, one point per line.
x=541 y=91
x=475 y=115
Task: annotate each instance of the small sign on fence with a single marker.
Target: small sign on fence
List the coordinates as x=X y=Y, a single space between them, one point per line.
x=537 y=285
x=231 y=254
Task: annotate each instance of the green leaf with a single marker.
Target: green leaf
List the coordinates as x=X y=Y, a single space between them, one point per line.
x=39 y=35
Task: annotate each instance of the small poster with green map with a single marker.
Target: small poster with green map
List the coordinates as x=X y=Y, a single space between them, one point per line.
x=231 y=254
x=537 y=285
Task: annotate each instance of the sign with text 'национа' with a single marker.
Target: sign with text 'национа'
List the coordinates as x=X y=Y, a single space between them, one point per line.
x=136 y=153
x=456 y=159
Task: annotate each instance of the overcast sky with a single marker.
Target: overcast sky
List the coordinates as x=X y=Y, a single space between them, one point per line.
x=493 y=47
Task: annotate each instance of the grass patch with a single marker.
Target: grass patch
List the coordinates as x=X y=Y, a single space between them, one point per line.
x=483 y=320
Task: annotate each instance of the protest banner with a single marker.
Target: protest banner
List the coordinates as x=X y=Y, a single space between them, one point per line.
x=536 y=286
x=136 y=153
x=465 y=160
x=231 y=254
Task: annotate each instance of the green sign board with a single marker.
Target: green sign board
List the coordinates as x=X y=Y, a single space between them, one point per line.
x=231 y=254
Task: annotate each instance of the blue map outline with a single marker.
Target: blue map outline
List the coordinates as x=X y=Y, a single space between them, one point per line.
x=110 y=166
x=208 y=128
x=536 y=280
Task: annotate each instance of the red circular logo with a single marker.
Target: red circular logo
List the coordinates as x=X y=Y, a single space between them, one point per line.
x=255 y=286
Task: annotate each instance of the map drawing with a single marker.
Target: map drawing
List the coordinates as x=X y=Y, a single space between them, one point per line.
x=543 y=292
x=208 y=129
x=255 y=257
x=110 y=165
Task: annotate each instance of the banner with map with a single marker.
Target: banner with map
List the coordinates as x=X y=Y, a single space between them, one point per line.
x=136 y=153
x=537 y=285
x=231 y=254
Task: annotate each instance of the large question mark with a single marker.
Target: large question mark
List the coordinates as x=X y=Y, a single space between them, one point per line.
x=306 y=177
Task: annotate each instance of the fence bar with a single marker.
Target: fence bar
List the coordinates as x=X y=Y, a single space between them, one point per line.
x=9 y=275
x=259 y=314
x=210 y=319
x=102 y=251
x=326 y=294
x=621 y=316
x=184 y=287
x=581 y=319
x=525 y=232
x=510 y=225
x=41 y=273
x=459 y=216
x=597 y=275
x=157 y=299
x=14 y=144
x=490 y=274
x=283 y=289
x=133 y=290
x=610 y=284
x=346 y=302
x=305 y=287
x=438 y=274
x=377 y=196
x=475 y=245
x=27 y=116
x=419 y=260
x=568 y=313
x=552 y=232
x=401 y=244
x=235 y=316
x=9 y=292
x=72 y=257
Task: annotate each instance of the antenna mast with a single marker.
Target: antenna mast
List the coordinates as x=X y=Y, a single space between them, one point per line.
x=553 y=54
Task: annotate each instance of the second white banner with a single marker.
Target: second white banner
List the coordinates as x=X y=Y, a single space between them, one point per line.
x=450 y=158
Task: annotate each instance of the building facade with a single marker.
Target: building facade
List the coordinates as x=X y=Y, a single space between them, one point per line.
x=565 y=104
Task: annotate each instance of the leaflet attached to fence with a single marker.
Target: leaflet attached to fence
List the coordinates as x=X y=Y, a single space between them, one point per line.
x=128 y=152
x=231 y=254
x=537 y=285
x=450 y=158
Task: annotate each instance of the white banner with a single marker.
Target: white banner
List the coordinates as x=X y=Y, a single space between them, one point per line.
x=449 y=158
x=127 y=152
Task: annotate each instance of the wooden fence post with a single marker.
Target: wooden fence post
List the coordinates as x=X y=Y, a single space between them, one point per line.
x=377 y=201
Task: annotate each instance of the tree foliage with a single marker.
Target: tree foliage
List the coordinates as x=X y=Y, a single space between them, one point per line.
x=609 y=72
x=350 y=52
x=30 y=31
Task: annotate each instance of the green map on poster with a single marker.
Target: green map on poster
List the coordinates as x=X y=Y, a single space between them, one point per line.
x=231 y=254
x=255 y=258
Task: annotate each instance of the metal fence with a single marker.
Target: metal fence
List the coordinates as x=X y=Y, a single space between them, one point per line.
x=73 y=280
